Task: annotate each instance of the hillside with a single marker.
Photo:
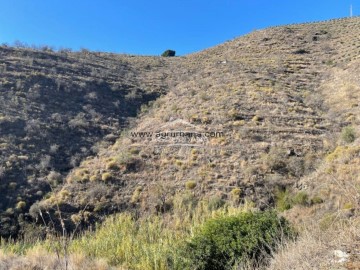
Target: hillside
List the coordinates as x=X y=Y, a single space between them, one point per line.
x=59 y=108
x=263 y=91
x=85 y=132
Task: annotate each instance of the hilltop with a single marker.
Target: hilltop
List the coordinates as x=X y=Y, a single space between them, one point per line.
x=280 y=97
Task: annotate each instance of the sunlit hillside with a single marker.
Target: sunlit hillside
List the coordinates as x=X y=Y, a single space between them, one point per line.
x=274 y=124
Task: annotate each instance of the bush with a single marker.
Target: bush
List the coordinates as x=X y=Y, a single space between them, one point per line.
x=301 y=198
x=348 y=134
x=295 y=166
x=168 y=53
x=215 y=202
x=106 y=177
x=21 y=205
x=190 y=184
x=54 y=178
x=224 y=242
x=236 y=192
x=283 y=200
x=316 y=200
x=276 y=160
x=112 y=165
x=301 y=51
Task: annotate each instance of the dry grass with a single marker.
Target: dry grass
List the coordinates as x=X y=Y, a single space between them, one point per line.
x=149 y=243
x=40 y=259
x=315 y=247
x=333 y=224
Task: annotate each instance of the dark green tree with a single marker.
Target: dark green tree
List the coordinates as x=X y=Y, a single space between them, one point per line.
x=168 y=53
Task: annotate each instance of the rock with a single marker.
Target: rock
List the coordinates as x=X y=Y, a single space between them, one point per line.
x=341 y=256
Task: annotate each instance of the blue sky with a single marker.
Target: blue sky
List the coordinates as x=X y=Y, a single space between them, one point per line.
x=149 y=27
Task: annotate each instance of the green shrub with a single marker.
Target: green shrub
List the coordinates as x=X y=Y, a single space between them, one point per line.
x=236 y=192
x=112 y=165
x=235 y=195
x=327 y=221
x=168 y=53
x=301 y=198
x=106 y=177
x=134 y=150
x=190 y=184
x=283 y=200
x=348 y=134
x=316 y=200
x=224 y=242
x=149 y=242
x=94 y=178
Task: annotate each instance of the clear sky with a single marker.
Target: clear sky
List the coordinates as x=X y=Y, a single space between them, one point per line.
x=149 y=27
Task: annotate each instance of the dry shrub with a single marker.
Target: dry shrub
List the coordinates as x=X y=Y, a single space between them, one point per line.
x=314 y=249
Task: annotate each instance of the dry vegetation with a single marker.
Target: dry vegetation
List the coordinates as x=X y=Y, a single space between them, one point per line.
x=286 y=99
x=58 y=108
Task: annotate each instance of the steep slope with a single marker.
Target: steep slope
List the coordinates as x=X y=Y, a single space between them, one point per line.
x=331 y=226
x=56 y=108
x=261 y=96
x=258 y=107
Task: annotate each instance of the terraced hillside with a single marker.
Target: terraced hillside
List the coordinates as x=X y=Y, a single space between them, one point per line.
x=262 y=92
x=263 y=96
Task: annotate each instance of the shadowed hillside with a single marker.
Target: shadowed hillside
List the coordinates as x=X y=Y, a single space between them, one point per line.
x=59 y=108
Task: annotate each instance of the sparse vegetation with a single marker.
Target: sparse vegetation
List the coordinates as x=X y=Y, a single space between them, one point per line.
x=67 y=121
x=348 y=134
